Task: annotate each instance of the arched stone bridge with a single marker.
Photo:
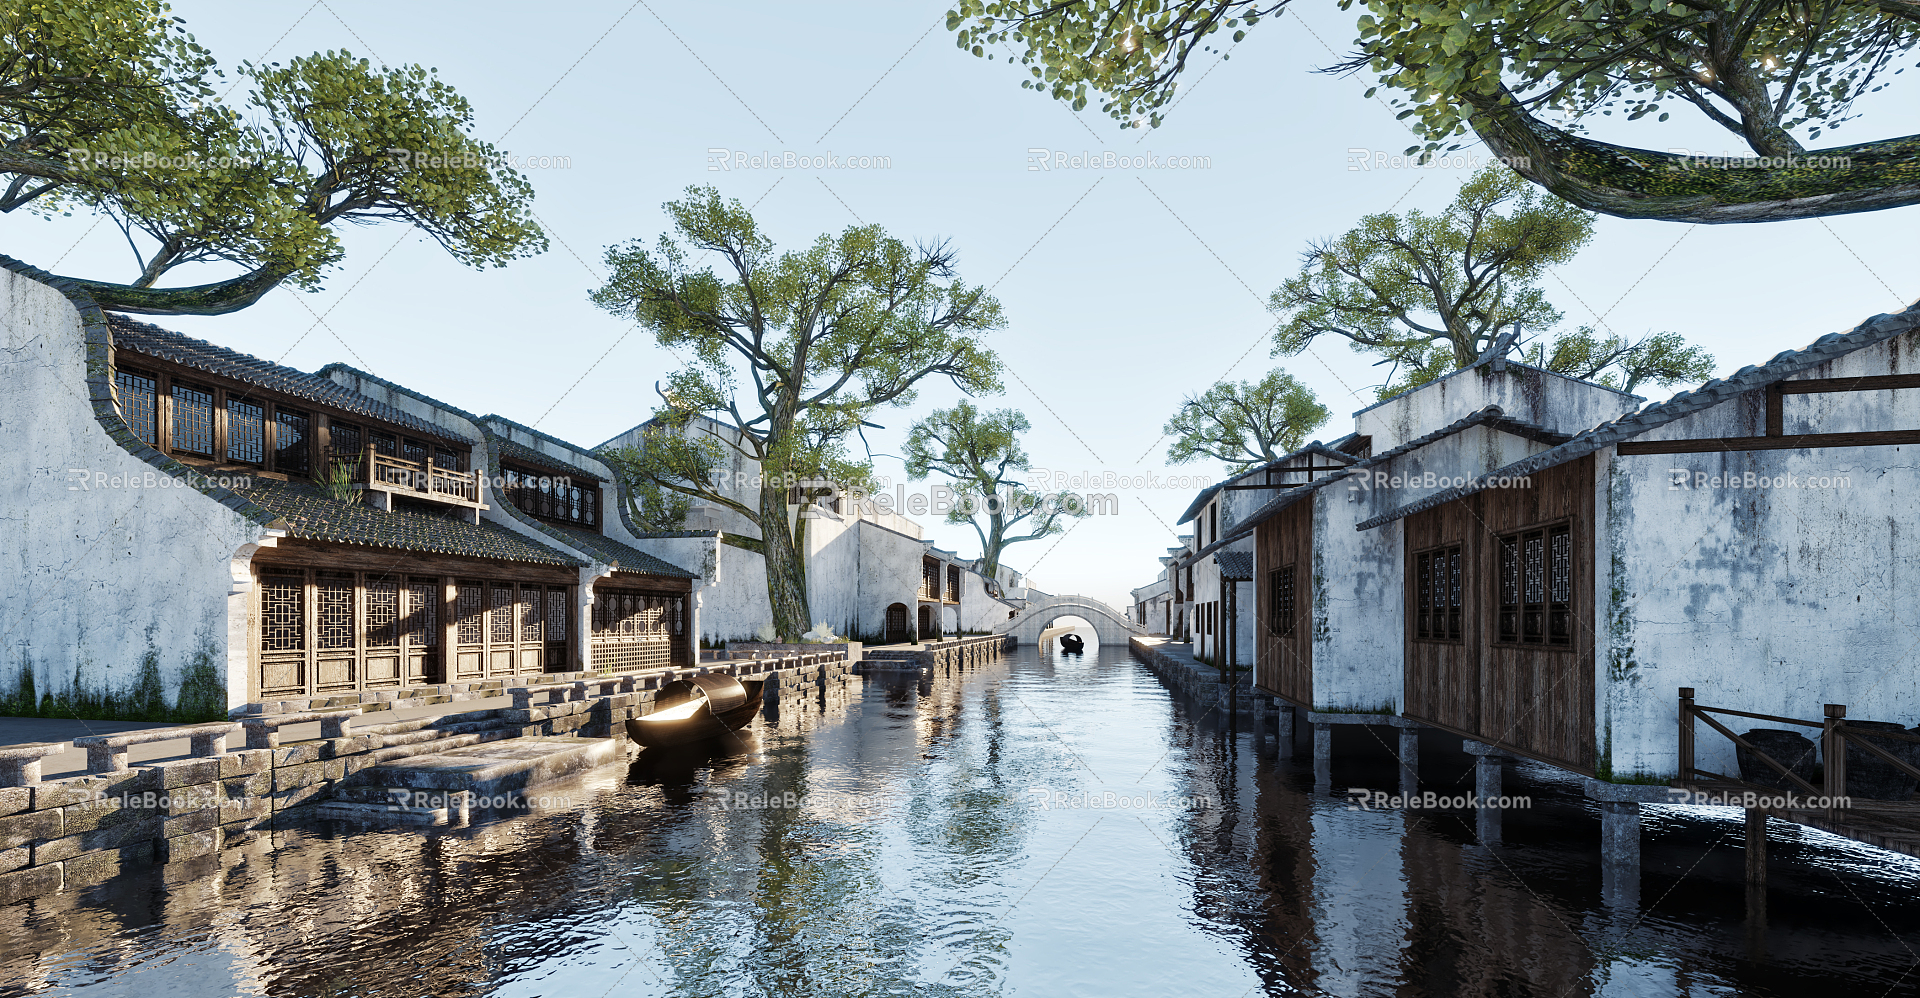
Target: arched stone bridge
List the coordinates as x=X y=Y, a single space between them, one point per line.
x=1111 y=625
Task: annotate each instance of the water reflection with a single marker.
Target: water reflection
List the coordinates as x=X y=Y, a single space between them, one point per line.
x=1051 y=825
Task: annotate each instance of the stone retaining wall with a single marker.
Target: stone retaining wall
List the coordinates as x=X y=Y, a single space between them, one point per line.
x=1198 y=679
x=65 y=833
x=953 y=653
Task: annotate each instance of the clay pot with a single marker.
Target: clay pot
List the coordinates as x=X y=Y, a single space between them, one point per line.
x=1788 y=748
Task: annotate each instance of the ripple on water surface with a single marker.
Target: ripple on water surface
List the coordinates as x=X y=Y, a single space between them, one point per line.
x=1049 y=826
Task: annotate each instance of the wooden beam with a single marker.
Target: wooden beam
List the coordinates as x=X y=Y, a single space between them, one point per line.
x=1776 y=411
x=1869 y=438
x=1871 y=383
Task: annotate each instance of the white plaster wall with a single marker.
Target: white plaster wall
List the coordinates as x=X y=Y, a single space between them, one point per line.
x=889 y=572
x=979 y=611
x=833 y=572
x=96 y=577
x=734 y=469
x=1558 y=403
x=1358 y=614
x=1775 y=600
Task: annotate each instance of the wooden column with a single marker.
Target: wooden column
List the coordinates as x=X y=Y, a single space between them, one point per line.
x=449 y=628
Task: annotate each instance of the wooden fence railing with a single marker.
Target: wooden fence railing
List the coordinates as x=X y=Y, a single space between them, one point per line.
x=1835 y=736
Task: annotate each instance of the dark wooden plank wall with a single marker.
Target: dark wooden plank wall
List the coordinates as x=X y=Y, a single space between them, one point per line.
x=1534 y=699
x=1284 y=664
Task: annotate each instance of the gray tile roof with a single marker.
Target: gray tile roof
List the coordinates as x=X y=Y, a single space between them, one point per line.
x=522 y=454
x=145 y=338
x=1491 y=417
x=1785 y=364
x=1234 y=564
x=1316 y=447
x=614 y=553
x=311 y=514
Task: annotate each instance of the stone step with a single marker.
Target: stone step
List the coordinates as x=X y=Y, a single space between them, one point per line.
x=399 y=805
x=495 y=768
x=431 y=746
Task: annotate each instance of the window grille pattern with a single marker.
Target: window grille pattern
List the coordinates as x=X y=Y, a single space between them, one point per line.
x=345 y=443
x=551 y=497
x=384 y=443
x=290 y=442
x=1280 y=601
x=532 y=620
x=557 y=615
x=503 y=630
x=192 y=420
x=139 y=404
x=423 y=613
x=383 y=613
x=283 y=613
x=470 y=611
x=953 y=583
x=334 y=603
x=246 y=432
x=1536 y=590
x=1439 y=609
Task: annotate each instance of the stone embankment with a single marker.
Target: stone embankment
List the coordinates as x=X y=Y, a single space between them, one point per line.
x=65 y=833
x=1175 y=664
x=944 y=656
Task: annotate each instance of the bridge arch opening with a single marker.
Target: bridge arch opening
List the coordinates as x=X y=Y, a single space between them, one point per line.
x=1069 y=624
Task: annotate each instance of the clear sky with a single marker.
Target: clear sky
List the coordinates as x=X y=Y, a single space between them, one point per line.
x=1126 y=289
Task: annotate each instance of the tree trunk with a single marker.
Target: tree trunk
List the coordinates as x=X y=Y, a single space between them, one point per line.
x=205 y=299
x=1640 y=183
x=786 y=566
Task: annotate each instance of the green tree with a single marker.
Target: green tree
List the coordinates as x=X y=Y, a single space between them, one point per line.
x=980 y=453
x=1522 y=75
x=1244 y=423
x=109 y=106
x=823 y=337
x=1429 y=294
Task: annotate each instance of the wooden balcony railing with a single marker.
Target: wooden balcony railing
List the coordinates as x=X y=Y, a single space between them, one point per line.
x=422 y=478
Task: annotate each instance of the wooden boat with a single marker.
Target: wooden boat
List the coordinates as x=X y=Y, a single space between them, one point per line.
x=688 y=710
x=1072 y=643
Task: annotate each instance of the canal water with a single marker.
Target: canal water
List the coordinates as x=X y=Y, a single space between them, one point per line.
x=1048 y=826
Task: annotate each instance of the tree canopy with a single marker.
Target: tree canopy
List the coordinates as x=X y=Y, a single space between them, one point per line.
x=790 y=354
x=1244 y=424
x=980 y=453
x=110 y=106
x=1430 y=294
x=1525 y=76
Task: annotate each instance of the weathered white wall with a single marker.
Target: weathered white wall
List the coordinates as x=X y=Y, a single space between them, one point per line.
x=979 y=610
x=1773 y=599
x=1554 y=401
x=97 y=577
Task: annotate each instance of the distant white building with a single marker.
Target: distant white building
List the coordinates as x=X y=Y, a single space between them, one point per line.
x=871 y=574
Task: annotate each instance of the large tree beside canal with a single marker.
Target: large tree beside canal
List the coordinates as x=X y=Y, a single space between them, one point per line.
x=1431 y=293
x=787 y=355
x=110 y=107
x=980 y=453
x=1244 y=424
x=1522 y=75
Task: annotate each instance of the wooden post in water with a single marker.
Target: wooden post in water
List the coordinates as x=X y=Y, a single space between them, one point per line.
x=1833 y=746
x=1686 y=734
x=1756 y=883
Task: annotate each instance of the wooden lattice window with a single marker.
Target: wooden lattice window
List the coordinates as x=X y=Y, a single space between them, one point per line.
x=470 y=613
x=557 y=608
x=139 y=400
x=953 y=583
x=290 y=442
x=283 y=612
x=334 y=610
x=502 y=603
x=423 y=613
x=1536 y=587
x=383 y=613
x=1439 y=595
x=192 y=420
x=532 y=620
x=1280 y=608
x=246 y=431
x=345 y=443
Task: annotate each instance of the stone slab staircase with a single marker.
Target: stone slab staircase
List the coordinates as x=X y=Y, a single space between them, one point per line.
x=436 y=770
